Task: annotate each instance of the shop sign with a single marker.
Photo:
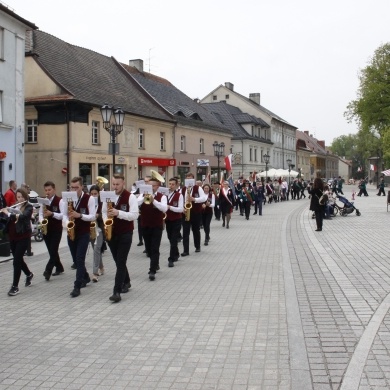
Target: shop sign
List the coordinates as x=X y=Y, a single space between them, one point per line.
x=203 y=163
x=162 y=162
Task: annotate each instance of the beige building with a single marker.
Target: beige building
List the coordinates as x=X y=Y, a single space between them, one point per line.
x=65 y=87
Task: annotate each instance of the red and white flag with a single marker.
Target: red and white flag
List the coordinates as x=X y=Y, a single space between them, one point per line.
x=372 y=167
x=228 y=162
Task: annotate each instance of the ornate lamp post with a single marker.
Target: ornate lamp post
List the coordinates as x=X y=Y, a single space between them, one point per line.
x=219 y=150
x=266 y=160
x=113 y=128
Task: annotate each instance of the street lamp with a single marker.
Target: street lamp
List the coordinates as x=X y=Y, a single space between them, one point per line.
x=114 y=129
x=266 y=160
x=219 y=150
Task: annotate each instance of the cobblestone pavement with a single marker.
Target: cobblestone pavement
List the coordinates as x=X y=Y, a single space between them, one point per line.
x=269 y=304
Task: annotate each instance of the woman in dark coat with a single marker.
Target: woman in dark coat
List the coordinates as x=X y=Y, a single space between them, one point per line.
x=316 y=192
x=18 y=227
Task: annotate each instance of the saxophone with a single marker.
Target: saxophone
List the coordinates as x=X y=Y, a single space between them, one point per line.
x=45 y=221
x=92 y=231
x=71 y=225
x=188 y=205
x=108 y=223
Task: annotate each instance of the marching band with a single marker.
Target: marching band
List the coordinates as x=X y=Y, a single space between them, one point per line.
x=108 y=217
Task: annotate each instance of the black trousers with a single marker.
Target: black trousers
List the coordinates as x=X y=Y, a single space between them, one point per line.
x=173 y=232
x=78 y=249
x=194 y=225
x=259 y=207
x=152 y=239
x=120 y=247
x=206 y=220
x=52 y=240
x=139 y=229
x=217 y=212
x=247 y=208
x=381 y=191
x=18 y=248
x=319 y=218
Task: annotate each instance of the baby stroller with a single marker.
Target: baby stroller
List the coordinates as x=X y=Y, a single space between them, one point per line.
x=348 y=207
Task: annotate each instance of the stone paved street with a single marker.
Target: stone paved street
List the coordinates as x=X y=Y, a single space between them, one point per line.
x=269 y=304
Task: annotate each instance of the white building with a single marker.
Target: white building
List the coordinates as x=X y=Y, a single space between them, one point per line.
x=12 y=47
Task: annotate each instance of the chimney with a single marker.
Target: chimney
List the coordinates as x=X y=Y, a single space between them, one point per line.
x=229 y=86
x=321 y=143
x=138 y=64
x=255 y=97
x=306 y=132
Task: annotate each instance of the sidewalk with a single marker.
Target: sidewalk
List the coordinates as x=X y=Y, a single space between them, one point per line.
x=269 y=304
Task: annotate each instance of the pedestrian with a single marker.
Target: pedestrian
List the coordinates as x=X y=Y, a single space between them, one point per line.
x=97 y=243
x=207 y=212
x=316 y=193
x=381 y=187
x=10 y=194
x=18 y=227
x=259 y=198
x=226 y=201
x=340 y=186
x=362 y=188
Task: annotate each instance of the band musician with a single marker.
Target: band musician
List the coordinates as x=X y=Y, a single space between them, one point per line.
x=197 y=197
x=152 y=222
x=173 y=220
x=226 y=202
x=53 y=215
x=124 y=213
x=82 y=213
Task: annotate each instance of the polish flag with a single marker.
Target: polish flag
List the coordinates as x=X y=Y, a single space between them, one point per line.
x=228 y=162
x=372 y=167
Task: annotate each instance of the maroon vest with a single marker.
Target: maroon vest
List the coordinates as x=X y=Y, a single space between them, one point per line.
x=151 y=216
x=196 y=207
x=122 y=226
x=208 y=209
x=54 y=224
x=171 y=215
x=82 y=227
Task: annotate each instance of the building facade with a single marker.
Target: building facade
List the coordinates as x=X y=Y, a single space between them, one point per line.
x=12 y=43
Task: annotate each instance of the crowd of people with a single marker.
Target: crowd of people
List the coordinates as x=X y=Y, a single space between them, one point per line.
x=180 y=211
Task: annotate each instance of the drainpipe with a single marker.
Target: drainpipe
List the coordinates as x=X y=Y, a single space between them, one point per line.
x=174 y=149
x=67 y=145
x=242 y=157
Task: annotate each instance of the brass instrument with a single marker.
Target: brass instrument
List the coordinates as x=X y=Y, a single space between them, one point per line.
x=108 y=223
x=147 y=198
x=101 y=181
x=45 y=221
x=157 y=176
x=188 y=205
x=92 y=231
x=70 y=227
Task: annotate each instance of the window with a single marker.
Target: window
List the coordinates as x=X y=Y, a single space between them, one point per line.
x=183 y=143
x=214 y=97
x=32 y=131
x=162 y=141
x=255 y=155
x=250 y=154
x=253 y=131
x=95 y=133
x=1 y=43
x=226 y=96
x=141 y=138
x=201 y=145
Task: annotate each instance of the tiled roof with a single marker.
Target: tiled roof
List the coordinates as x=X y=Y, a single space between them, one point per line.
x=246 y=118
x=92 y=77
x=184 y=109
x=228 y=115
x=311 y=143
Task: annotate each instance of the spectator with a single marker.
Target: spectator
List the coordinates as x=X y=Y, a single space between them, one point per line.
x=10 y=195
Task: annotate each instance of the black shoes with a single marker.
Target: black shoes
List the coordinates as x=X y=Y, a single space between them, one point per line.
x=254 y=214
x=116 y=297
x=73 y=266
x=125 y=288
x=13 y=291
x=85 y=282
x=29 y=254
x=152 y=276
x=28 y=280
x=158 y=268
x=56 y=273
x=223 y=225
x=197 y=250
x=185 y=254
x=170 y=263
x=206 y=243
x=47 y=275
x=75 y=293
x=140 y=243
x=318 y=230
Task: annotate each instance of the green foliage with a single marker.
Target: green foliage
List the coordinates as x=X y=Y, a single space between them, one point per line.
x=371 y=109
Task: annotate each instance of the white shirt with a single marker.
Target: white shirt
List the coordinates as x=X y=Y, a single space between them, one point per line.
x=90 y=217
x=59 y=215
x=179 y=207
x=162 y=206
x=130 y=215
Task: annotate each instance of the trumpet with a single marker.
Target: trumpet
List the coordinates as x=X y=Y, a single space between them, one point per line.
x=108 y=223
x=70 y=227
x=101 y=181
x=188 y=205
x=45 y=221
x=148 y=198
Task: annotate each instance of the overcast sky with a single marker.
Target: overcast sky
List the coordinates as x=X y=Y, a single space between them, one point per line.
x=303 y=56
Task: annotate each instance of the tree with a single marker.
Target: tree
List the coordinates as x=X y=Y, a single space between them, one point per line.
x=371 y=109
